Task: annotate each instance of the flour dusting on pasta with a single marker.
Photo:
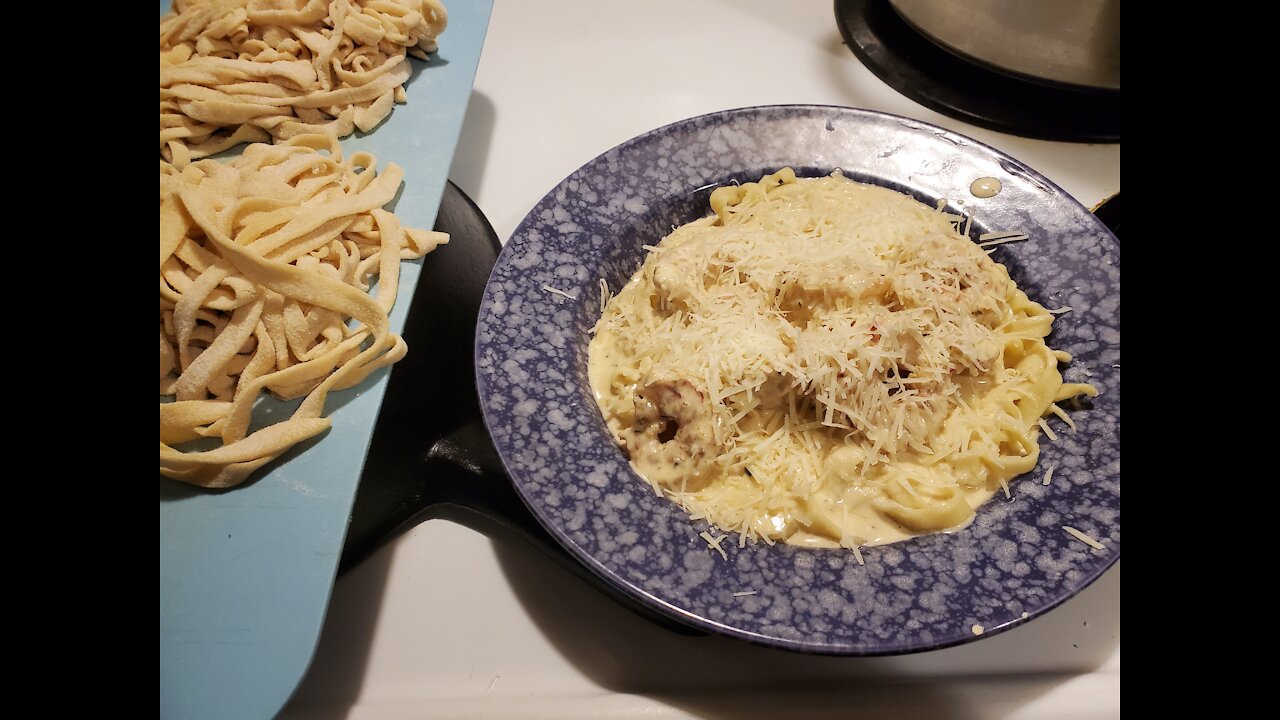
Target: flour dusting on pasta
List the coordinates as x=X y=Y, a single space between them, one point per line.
x=265 y=261
x=236 y=71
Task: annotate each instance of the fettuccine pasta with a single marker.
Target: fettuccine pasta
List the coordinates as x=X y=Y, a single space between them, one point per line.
x=235 y=71
x=826 y=363
x=264 y=260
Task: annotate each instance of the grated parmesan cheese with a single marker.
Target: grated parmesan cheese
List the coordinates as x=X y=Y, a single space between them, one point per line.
x=1062 y=414
x=1084 y=538
x=1047 y=430
x=605 y=295
x=1000 y=236
x=1048 y=475
x=714 y=543
x=993 y=239
x=557 y=291
x=816 y=339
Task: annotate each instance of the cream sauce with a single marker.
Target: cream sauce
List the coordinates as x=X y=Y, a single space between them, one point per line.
x=846 y=511
x=814 y=485
x=985 y=187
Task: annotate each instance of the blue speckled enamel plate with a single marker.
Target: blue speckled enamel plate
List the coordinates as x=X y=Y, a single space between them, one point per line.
x=1011 y=564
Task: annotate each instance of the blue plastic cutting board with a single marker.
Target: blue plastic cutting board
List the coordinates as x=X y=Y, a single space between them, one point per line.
x=245 y=575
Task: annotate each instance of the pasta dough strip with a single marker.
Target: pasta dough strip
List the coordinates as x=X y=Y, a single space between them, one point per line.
x=235 y=71
x=263 y=261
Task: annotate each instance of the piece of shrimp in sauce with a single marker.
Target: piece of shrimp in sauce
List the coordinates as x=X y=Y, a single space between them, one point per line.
x=672 y=439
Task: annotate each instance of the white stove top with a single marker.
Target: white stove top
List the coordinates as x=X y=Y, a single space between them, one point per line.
x=446 y=623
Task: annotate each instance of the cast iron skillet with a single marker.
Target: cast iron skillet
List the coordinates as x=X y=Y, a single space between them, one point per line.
x=430 y=456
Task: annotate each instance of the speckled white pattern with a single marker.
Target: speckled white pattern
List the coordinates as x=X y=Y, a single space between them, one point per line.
x=1011 y=564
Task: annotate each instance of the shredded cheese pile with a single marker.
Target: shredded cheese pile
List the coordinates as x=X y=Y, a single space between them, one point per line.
x=826 y=363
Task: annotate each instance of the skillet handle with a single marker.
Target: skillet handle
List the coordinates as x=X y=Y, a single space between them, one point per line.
x=464 y=482
x=430 y=456
x=461 y=479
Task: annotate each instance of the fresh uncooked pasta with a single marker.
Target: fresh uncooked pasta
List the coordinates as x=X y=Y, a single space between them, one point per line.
x=826 y=363
x=264 y=261
x=235 y=71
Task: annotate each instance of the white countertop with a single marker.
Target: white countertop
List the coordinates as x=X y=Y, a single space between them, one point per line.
x=446 y=623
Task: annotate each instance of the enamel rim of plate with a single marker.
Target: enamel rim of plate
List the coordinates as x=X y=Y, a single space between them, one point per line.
x=1011 y=564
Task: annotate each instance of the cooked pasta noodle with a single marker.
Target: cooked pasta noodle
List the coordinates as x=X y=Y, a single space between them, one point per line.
x=235 y=71
x=826 y=363
x=264 y=260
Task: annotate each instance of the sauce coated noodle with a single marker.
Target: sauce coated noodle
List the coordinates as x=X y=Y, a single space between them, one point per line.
x=825 y=363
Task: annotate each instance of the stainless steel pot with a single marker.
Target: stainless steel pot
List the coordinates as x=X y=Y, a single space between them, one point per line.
x=1072 y=42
